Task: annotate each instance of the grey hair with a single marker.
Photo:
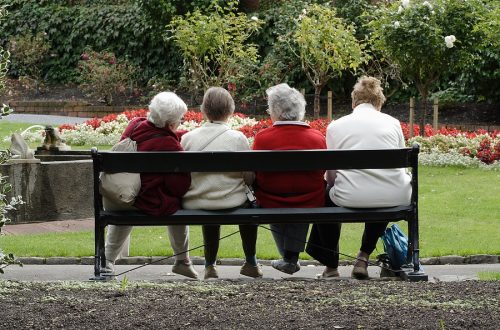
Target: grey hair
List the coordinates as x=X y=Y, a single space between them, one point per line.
x=286 y=103
x=218 y=104
x=166 y=108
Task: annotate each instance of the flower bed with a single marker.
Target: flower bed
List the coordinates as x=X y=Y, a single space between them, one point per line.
x=447 y=146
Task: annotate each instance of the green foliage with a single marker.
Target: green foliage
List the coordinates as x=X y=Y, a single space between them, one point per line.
x=326 y=47
x=215 y=48
x=29 y=53
x=120 y=28
x=162 y=11
x=103 y=75
x=4 y=56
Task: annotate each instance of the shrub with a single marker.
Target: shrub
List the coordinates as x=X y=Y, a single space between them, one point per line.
x=103 y=76
x=29 y=54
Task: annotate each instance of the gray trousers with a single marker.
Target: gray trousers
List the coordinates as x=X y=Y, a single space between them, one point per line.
x=290 y=237
x=118 y=236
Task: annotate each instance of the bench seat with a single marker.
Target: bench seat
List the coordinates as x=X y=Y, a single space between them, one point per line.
x=258 y=216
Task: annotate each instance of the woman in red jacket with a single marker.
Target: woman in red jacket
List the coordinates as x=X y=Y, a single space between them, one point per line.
x=160 y=194
x=289 y=189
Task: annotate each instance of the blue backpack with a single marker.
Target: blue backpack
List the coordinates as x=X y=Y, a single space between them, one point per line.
x=395 y=246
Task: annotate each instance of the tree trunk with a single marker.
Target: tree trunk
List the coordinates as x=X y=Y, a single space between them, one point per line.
x=317 y=100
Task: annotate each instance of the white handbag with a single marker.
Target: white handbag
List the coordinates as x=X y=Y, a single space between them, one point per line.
x=121 y=188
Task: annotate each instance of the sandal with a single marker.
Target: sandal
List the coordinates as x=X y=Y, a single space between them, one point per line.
x=360 y=272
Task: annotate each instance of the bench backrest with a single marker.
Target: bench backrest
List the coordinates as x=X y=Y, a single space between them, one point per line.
x=276 y=160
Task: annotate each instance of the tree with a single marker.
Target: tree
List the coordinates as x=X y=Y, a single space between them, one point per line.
x=214 y=46
x=327 y=46
x=427 y=39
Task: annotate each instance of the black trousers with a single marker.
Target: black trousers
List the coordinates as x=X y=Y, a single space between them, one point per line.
x=211 y=236
x=323 y=244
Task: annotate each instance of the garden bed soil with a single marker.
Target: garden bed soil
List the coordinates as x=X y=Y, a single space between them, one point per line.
x=262 y=304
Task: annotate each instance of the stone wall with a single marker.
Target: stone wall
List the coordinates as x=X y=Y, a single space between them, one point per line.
x=66 y=108
x=51 y=190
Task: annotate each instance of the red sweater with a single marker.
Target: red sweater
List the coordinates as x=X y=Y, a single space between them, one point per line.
x=160 y=193
x=290 y=189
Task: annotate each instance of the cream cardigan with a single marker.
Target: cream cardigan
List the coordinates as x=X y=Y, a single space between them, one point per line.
x=216 y=191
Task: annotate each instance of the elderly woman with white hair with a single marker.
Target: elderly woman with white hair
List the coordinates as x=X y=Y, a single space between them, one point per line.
x=365 y=128
x=289 y=189
x=160 y=194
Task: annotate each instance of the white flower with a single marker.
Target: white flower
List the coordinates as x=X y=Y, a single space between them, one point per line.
x=304 y=11
x=396 y=24
x=400 y=10
x=254 y=18
x=449 y=40
x=426 y=3
x=405 y=3
x=426 y=18
x=433 y=12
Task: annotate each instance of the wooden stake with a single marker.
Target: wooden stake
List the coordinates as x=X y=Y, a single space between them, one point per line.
x=412 y=116
x=435 y=123
x=330 y=106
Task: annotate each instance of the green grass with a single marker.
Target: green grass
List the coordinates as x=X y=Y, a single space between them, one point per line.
x=489 y=276
x=459 y=214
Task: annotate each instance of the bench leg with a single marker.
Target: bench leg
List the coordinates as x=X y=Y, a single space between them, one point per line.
x=100 y=257
x=413 y=272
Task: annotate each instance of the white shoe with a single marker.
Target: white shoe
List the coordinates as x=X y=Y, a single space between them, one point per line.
x=186 y=269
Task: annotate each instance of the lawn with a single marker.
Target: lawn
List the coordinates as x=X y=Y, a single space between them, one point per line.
x=459 y=215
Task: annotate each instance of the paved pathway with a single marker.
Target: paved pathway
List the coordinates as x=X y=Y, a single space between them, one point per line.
x=42 y=119
x=163 y=272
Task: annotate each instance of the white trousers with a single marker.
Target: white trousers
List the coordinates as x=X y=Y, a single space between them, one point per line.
x=117 y=237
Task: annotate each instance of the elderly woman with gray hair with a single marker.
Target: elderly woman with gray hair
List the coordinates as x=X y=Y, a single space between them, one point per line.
x=289 y=189
x=365 y=128
x=160 y=194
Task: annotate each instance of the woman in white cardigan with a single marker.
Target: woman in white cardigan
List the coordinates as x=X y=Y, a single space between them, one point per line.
x=365 y=128
x=219 y=191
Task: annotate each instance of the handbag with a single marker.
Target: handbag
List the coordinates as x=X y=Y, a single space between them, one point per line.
x=395 y=246
x=122 y=188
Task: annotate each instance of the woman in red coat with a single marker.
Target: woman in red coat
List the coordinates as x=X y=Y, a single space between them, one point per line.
x=289 y=189
x=160 y=194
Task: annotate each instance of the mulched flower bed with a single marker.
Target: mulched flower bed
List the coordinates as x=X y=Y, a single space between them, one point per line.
x=263 y=304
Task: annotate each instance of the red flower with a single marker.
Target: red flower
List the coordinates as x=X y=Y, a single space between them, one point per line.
x=66 y=127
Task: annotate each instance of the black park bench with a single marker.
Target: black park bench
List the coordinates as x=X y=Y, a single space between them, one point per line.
x=303 y=160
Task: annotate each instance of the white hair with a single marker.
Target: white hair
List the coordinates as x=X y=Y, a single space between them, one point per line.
x=286 y=103
x=166 y=108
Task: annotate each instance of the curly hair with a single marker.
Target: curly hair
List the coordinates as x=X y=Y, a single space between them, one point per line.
x=368 y=90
